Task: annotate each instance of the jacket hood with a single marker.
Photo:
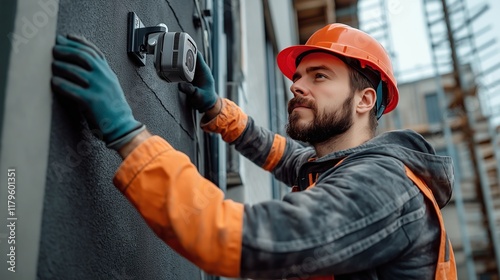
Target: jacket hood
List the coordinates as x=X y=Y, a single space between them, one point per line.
x=417 y=154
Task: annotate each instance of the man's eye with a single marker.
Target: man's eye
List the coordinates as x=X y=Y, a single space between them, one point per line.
x=320 y=76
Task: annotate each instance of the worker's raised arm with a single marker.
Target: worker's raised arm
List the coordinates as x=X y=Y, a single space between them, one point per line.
x=273 y=152
x=280 y=155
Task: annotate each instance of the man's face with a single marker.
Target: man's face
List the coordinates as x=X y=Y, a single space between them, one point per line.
x=322 y=106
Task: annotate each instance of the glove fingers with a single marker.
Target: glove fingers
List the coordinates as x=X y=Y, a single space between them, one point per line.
x=70 y=92
x=73 y=56
x=63 y=41
x=70 y=72
x=187 y=88
x=82 y=40
x=202 y=71
x=68 y=89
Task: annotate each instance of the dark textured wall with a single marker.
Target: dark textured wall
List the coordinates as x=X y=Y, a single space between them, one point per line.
x=89 y=230
x=7 y=14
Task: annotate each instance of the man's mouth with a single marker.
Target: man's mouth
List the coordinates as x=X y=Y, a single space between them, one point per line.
x=299 y=104
x=300 y=107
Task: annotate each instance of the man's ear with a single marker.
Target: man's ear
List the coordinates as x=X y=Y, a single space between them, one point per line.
x=367 y=100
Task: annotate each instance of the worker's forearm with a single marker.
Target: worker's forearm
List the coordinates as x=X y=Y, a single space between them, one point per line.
x=134 y=143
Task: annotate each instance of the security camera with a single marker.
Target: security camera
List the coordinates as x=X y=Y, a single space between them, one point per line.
x=174 y=52
x=175 y=56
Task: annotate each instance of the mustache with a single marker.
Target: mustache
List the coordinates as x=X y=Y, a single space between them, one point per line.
x=300 y=102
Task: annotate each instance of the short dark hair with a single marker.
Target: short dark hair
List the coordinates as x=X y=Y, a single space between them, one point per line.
x=358 y=82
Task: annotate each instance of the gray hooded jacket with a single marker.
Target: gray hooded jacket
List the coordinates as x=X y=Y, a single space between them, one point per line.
x=363 y=219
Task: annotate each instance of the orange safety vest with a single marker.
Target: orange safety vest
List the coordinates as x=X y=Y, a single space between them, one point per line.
x=446 y=268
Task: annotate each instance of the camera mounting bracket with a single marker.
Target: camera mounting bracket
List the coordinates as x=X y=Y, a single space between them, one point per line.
x=138 y=35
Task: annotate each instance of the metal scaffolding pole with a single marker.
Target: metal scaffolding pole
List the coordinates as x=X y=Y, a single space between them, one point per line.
x=469 y=261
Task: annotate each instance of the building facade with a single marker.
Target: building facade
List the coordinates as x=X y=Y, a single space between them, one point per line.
x=70 y=221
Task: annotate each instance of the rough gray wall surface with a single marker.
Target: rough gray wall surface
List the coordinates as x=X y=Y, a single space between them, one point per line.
x=8 y=14
x=89 y=230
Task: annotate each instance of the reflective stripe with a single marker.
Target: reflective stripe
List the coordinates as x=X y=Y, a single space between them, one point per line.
x=275 y=153
x=311 y=180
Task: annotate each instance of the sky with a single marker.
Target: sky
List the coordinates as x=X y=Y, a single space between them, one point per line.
x=410 y=44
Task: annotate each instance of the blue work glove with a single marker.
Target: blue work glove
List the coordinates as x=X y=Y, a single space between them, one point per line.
x=81 y=72
x=201 y=91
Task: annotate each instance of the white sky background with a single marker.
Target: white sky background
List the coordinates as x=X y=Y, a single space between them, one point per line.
x=409 y=39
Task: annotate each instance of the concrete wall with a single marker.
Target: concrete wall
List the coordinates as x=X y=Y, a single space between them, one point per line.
x=73 y=223
x=89 y=229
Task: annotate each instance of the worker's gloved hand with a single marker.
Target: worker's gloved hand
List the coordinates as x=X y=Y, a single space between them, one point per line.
x=81 y=72
x=201 y=91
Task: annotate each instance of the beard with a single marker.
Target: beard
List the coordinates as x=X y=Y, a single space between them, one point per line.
x=324 y=126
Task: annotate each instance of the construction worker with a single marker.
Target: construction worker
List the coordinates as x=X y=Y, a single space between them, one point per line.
x=362 y=206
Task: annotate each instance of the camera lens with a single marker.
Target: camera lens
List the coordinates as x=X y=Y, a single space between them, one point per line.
x=190 y=60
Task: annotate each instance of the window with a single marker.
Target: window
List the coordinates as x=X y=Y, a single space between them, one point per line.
x=432 y=107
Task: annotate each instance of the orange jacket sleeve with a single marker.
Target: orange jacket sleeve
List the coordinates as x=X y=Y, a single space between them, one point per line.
x=184 y=209
x=231 y=123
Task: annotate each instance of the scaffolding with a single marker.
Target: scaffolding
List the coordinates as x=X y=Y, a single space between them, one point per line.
x=453 y=38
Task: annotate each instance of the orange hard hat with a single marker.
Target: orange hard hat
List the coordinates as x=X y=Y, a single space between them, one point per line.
x=349 y=43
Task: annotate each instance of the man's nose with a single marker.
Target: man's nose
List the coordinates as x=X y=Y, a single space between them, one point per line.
x=299 y=88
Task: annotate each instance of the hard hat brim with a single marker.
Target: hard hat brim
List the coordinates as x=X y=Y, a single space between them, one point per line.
x=288 y=57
